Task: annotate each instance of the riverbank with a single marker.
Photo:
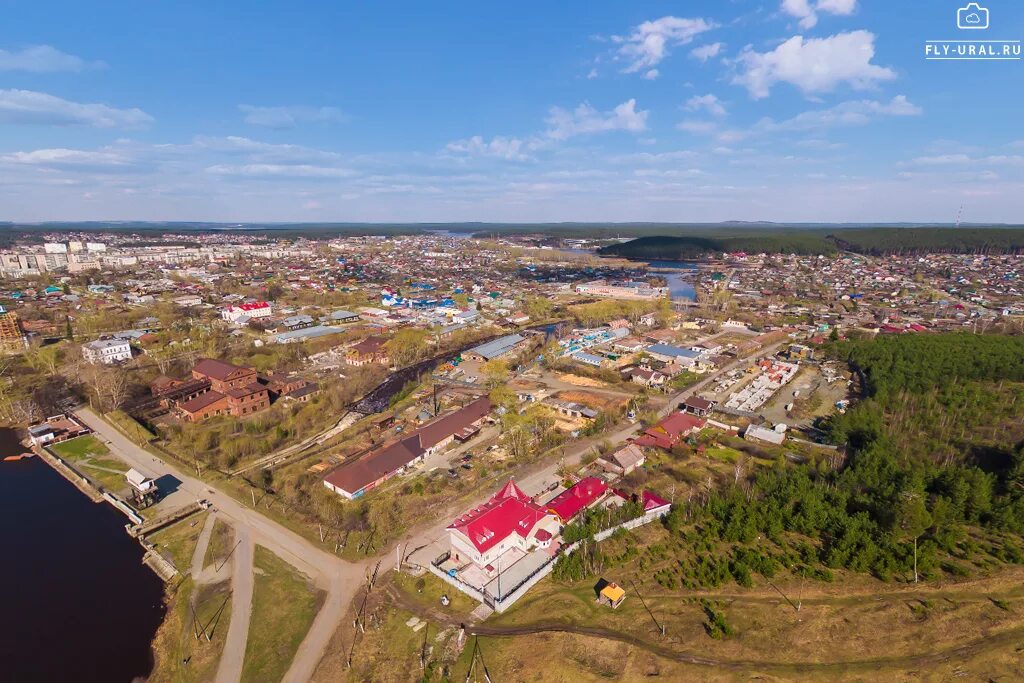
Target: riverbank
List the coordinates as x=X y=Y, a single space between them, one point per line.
x=77 y=602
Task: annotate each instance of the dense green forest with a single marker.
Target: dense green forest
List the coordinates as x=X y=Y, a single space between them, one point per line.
x=893 y=501
x=684 y=248
x=873 y=241
x=882 y=241
x=890 y=495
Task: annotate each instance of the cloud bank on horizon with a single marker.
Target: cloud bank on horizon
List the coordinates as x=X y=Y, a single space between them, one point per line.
x=784 y=110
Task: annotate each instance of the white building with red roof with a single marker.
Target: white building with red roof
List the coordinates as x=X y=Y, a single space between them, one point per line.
x=243 y=313
x=509 y=520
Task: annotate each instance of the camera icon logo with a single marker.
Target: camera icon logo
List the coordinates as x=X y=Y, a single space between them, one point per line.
x=972 y=17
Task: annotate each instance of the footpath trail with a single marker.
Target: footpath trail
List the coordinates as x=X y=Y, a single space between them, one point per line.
x=242 y=583
x=203 y=544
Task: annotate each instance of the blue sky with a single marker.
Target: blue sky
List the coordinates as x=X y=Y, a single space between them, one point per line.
x=690 y=111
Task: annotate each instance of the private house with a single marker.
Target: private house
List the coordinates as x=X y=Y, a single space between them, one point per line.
x=508 y=520
x=584 y=494
x=695 y=405
x=623 y=461
x=352 y=480
x=497 y=348
x=243 y=313
x=370 y=350
x=571 y=409
x=670 y=431
x=106 y=351
x=647 y=378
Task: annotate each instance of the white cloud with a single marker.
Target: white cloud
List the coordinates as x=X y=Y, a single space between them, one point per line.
x=709 y=102
x=29 y=107
x=698 y=127
x=706 y=52
x=800 y=9
x=305 y=171
x=500 y=147
x=262 y=151
x=66 y=158
x=43 y=59
x=808 y=13
x=648 y=43
x=288 y=117
x=841 y=7
x=651 y=74
x=584 y=119
x=964 y=159
x=852 y=113
x=813 y=65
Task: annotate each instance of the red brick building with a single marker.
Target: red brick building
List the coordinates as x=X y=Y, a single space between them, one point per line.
x=223 y=376
x=370 y=350
x=234 y=391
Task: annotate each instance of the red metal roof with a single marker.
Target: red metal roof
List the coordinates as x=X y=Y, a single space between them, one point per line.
x=509 y=511
x=579 y=496
x=255 y=306
x=652 y=501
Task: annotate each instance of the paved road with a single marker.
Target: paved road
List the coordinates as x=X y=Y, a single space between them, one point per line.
x=229 y=670
x=339 y=578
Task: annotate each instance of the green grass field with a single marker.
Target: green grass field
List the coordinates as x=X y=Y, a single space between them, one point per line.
x=90 y=457
x=284 y=604
x=80 y=447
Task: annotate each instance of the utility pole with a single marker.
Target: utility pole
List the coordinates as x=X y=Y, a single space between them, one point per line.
x=636 y=590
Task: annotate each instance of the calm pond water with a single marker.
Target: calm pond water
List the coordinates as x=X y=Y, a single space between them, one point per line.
x=680 y=282
x=76 y=602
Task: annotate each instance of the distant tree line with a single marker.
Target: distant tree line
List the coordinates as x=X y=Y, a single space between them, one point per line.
x=870 y=241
